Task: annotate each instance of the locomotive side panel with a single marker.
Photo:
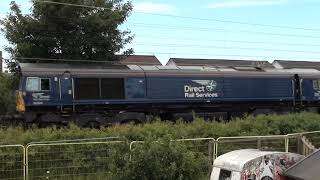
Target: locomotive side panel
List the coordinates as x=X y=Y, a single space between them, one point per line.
x=188 y=89
x=108 y=91
x=135 y=88
x=311 y=89
x=258 y=89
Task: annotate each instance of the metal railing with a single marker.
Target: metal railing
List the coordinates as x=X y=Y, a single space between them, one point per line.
x=304 y=143
x=274 y=143
x=93 y=158
x=12 y=162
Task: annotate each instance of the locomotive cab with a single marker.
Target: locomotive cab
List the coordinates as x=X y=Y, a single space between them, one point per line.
x=39 y=90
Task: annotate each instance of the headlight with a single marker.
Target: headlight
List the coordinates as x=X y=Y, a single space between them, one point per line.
x=20 y=105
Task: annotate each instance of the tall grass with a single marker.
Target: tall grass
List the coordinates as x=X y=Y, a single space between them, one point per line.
x=260 y=125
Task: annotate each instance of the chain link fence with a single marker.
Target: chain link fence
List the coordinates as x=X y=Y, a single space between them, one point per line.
x=99 y=158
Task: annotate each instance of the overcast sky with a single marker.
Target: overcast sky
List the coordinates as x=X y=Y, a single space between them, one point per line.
x=231 y=29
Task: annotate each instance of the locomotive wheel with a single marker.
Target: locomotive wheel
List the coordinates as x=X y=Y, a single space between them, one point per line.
x=93 y=124
x=48 y=125
x=130 y=121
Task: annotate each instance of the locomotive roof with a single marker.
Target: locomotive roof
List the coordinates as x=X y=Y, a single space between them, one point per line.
x=221 y=63
x=140 y=60
x=56 y=68
x=45 y=69
x=285 y=64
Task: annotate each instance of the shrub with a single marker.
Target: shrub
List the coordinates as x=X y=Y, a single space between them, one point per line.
x=164 y=160
x=7 y=94
x=261 y=125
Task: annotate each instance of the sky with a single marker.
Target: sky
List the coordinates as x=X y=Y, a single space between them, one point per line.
x=219 y=29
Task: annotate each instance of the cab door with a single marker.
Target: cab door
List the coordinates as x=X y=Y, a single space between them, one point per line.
x=297 y=89
x=66 y=90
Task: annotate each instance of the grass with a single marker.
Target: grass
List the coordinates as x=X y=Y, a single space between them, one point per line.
x=261 y=125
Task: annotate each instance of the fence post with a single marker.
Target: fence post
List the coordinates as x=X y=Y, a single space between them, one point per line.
x=211 y=155
x=259 y=143
x=25 y=163
x=299 y=144
x=216 y=148
x=286 y=144
x=131 y=148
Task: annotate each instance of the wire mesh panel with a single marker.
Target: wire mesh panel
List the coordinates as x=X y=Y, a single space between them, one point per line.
x=12 y=162
x=272 y=143
x=227 y=145
x=313 y=138
x=200 y=149
x=78 y=161
x=203 y=146
x=295 y=141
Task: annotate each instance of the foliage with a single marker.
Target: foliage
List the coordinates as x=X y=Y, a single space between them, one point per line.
x=7 y=95
x=150 y=160
x=57 y=31
x=260 y=125
x=158 y=157
x=164 y=160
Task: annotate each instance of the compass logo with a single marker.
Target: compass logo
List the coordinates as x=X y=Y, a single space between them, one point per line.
x=211 y=86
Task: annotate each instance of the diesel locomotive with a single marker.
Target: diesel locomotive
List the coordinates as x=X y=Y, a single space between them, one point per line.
x=95 y=95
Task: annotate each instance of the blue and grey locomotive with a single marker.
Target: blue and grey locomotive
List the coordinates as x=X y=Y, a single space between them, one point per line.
x=109 y=94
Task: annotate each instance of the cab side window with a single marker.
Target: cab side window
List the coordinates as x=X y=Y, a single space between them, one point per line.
x=225 y=175
x=316 y=84
x=45 y=84
x=33 y=84
x=38 y=84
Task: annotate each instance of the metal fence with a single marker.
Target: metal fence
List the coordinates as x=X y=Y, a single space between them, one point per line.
x=304 y=143
x=72 y=159
x=12 y=162
x=95 y=158
x=272 y=143
x=204 y=146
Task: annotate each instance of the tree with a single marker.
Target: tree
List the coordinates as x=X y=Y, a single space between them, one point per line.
x=61 y=29
x=7 y=95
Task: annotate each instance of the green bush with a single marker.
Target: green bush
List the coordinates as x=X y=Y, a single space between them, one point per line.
x=8 y=83
x=165 y=160
x=260 y=125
